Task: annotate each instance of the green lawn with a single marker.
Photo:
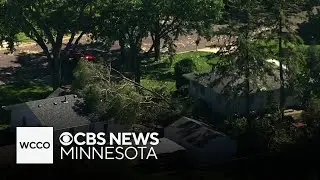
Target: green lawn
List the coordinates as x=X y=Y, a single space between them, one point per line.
x=22 y=92
x=22 y=38
x=161 y=74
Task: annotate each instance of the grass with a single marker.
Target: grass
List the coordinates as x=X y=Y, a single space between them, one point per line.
x=22 y=38
x=4 y=125
x=22 y=92
x=161 y=74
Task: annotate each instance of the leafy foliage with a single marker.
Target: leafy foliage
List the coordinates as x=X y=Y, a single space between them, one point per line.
x=183 y=67
x=121 y=100
x=305 y=79
x=309 y=30
x=279 y=134
x=46 y=22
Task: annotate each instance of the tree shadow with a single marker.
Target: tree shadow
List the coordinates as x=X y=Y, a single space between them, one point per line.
x=158 y=71
x=25 y=67
x=26 y=78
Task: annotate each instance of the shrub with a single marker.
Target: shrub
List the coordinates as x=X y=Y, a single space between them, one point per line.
x=236 y=126
x=183 y=67
x=279 y=134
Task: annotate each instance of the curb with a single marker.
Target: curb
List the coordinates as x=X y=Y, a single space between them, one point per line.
x=28 y=44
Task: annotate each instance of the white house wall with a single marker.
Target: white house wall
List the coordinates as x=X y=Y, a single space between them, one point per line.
x=259 y=101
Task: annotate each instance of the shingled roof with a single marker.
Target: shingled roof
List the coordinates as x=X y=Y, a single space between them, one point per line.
x=232 y=80
x=58 y=92
x=59 y=112
x=191 y=133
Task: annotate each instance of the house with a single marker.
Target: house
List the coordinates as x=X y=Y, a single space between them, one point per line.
x=63 y=113
x=223 y=95
x=202 y=143
x=170 y=155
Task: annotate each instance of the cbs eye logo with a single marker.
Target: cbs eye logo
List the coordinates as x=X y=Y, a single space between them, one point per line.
x=66 y=138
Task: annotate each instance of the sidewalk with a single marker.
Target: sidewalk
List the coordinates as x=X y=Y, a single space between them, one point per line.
x=28 y=44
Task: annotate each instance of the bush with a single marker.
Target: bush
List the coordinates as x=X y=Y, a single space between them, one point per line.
x=236 y=126
x=279 y=134
x=183 y=67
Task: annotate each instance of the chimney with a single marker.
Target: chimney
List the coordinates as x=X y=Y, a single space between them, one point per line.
x=65 y=100
x=159 y=130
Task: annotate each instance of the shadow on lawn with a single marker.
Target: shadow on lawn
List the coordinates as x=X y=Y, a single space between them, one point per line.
x=27 y=81
x=30 y=67
x=157 y=71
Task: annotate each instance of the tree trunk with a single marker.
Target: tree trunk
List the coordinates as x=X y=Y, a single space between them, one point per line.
x=247 y=90
x=136 y=63
x=247 y=73
x=137 y=77
x=135 y=60
x=56 y=75
x=282 y=93
x=79 y=38
x=56 y=51
x=157 y=44
x=157 y=40
x=122 y=53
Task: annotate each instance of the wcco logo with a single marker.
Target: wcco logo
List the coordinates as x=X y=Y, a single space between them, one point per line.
x=34 y=145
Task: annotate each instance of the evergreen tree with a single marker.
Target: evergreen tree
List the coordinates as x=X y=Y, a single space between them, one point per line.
x=244 y=20
x=282 y=15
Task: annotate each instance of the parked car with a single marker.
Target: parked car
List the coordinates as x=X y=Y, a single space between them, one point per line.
x=77 y=55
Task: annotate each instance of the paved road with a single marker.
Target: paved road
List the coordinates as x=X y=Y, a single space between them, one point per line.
x=10 y=63
x=185 y=43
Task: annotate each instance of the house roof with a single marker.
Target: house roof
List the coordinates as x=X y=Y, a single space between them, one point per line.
x=56 y=93
x=54 y=112
x=165 y=146
x=232 y=80
x=191 y=133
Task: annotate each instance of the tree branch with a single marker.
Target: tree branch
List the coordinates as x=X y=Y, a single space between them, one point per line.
x=79 y=38
x=81 y=13
x=43 y=26
x=167 y=29
x=142 y=87
x=38 y=39
x=73 y=34
x=165 y=22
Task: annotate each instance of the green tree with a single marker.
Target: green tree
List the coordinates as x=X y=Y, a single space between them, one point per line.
x=46 y=23
x=282 y=25
x=131 y=21
x=173 y=18
x=306 y=80
x=128 y=22
x=244 y=22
